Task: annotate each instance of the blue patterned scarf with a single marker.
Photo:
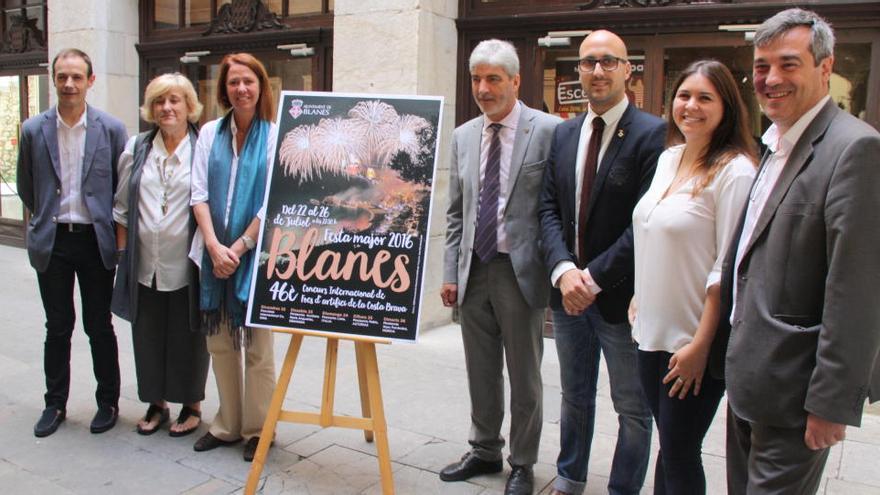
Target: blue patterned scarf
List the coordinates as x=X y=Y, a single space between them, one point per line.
x=228 y=298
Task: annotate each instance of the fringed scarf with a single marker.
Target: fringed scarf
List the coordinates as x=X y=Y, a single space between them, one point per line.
x=222 y=300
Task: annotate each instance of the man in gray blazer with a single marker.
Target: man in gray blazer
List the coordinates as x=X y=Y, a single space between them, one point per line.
x=799 y=285
x=493 y=268
x=66 y=179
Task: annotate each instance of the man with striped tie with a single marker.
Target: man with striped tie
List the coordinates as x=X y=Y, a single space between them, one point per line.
x=493 y=268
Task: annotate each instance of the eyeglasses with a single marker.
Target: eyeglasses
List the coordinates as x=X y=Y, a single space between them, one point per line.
x=609 y=63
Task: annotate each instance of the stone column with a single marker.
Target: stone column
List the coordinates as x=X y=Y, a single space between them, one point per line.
x=107 y=31
x=405 y=47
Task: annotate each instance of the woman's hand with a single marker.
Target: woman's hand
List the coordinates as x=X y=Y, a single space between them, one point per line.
x=224 y=259
x=633 y=311
x=686 y=368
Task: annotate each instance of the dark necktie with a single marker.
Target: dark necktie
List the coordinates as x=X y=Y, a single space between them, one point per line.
x=590 y=166
x=486 y=236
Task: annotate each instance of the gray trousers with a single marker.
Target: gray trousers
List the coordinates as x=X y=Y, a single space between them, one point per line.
x=764 y=459
x=497 y=324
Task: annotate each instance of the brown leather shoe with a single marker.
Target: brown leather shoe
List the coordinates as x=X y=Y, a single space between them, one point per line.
x=250 y=448
x=210 y=442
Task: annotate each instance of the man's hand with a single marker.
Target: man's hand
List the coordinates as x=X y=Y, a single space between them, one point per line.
x=576 y=296
x=822 y=433
x=449 y=294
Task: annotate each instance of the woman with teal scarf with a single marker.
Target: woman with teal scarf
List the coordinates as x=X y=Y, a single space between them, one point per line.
x=232 y=158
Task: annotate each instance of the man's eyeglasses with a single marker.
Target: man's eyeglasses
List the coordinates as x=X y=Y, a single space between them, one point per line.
x=609 y=63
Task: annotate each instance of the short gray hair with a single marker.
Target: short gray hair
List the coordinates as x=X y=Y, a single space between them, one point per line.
x=495 y=52
x=821 y=34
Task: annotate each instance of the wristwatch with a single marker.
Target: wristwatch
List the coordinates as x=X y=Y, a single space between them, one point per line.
x=248 y=242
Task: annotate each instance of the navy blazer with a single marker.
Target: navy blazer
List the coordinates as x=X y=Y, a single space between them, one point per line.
x=39 y=182
x=624 y=175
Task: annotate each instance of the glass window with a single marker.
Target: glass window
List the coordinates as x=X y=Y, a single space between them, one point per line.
x=296 y=7
x=276 y=6
x=10 y=122
x=198 y=12
x=166 y=14
x=849 y=82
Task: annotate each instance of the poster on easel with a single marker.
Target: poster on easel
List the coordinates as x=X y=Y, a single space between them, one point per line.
x=343 y=243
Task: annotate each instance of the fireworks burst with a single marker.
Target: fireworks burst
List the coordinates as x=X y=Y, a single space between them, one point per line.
x=371 y=137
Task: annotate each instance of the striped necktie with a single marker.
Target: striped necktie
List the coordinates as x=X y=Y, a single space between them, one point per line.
x=486 y=236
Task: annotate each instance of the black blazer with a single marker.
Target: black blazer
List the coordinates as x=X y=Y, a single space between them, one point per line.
x=623 y=176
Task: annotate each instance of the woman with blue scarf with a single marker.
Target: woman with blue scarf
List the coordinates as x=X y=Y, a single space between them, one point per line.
x=231 y=162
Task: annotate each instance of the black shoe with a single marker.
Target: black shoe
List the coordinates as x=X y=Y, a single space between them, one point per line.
x=104 y=419
x=469 y=466
x=49 y=421
x=521 y=481
x=210 y=442
x=250 y=448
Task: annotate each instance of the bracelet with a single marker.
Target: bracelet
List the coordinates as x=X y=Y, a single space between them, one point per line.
x=248 y=242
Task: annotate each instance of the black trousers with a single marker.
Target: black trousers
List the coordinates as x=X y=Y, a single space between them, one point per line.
x=75 y=254
x=681 y=426
x=171 y=359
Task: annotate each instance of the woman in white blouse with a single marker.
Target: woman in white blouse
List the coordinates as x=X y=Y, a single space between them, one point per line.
x=232 y=160
x=682 y=227
x=156 y=284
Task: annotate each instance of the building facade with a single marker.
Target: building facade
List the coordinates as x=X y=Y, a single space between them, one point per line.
x=394 y=47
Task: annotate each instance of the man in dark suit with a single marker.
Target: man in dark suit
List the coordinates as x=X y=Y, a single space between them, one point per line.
x=492 y=268
x=800 y=319
x=66 y=179
x=600 y=165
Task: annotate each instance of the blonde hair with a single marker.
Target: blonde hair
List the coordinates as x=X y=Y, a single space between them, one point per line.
x=169 y=82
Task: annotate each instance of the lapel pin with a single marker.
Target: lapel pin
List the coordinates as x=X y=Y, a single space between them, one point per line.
x=620 y=133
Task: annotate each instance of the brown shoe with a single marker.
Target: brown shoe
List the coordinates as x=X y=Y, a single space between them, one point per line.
x=210 y=442
x=250 y=448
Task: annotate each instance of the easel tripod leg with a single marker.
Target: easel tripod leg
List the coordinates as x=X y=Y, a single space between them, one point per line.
x=273 y=414
x=380 y=429
x=363 y=386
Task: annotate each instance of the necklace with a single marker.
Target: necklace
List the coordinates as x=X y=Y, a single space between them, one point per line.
x=165 y=176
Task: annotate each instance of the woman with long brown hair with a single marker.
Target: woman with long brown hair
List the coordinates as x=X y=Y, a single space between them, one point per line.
x=230 y=170
x=682 y=227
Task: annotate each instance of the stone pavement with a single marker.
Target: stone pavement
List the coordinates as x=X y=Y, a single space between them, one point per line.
x=426 y=405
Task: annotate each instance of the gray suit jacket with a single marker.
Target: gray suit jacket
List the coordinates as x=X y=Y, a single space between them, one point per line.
x=39 y=183
x=806 y=331
x=530 y=150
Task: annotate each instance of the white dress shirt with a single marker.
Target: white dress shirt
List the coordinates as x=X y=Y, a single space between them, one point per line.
x=612 y=118
x=780 y=148
x=680 y=244
x=506 y=136
x=162 y=237
x=71 y=150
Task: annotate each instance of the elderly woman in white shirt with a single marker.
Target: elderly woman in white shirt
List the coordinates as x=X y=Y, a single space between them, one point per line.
x=682 y=227
x=156 y=283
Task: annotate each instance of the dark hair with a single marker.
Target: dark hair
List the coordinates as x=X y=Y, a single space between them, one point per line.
x=73 y=52
x=821 y=34
x=732 y=137
x=265 y=107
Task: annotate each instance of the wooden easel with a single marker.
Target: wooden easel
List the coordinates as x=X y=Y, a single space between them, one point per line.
x=372 y=422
